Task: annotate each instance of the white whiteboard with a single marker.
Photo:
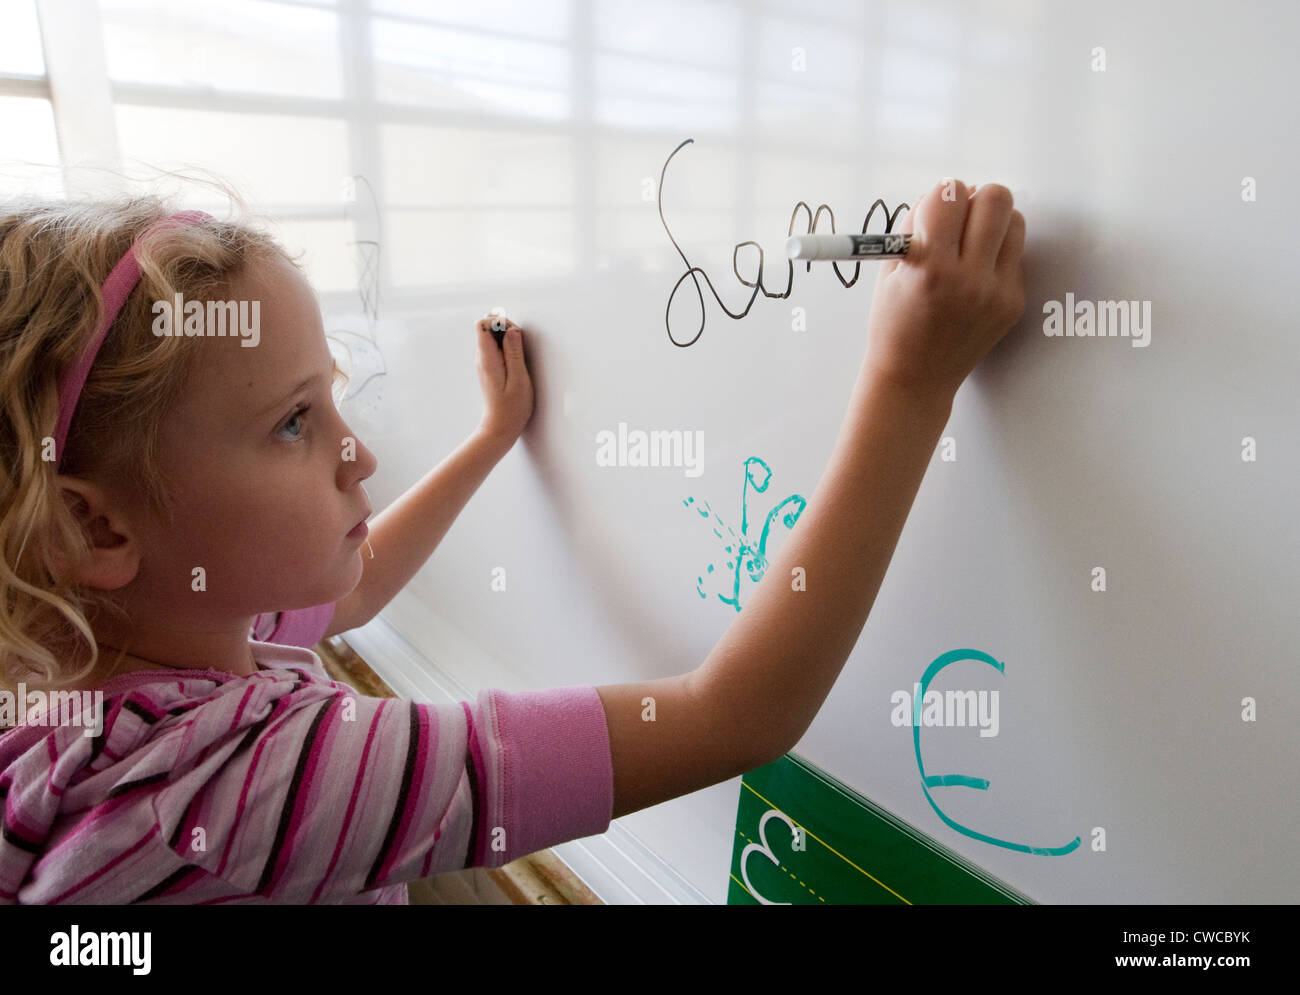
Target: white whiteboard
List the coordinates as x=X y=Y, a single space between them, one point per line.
x=1119 y=709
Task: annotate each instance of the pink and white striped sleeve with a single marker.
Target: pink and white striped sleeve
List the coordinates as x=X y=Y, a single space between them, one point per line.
x=285 y=787
x=374 y=792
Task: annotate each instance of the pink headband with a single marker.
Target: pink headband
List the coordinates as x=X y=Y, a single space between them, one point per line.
x=121 y=281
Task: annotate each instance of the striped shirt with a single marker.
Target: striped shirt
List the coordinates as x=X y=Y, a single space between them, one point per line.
x=204 y=787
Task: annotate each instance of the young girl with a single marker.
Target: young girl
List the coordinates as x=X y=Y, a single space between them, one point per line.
x=161 y=492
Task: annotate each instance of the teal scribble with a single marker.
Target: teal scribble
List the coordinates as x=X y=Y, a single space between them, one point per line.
x=752 y=556
x=962 y=780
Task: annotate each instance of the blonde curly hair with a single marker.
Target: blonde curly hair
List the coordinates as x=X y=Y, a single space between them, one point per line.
x=54 y=258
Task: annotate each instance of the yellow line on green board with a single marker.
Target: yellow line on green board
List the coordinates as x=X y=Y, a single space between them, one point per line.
x=742 y=886
x=830 y=848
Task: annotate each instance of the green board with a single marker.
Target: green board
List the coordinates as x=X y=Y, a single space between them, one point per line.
x=804 y=838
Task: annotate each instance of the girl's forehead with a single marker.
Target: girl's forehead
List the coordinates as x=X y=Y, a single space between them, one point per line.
x=271 y=342
x=271 y=274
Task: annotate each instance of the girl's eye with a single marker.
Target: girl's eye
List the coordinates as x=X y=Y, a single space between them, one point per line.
x=297 y=416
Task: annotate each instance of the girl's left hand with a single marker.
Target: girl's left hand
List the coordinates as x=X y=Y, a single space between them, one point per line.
x=507 y=387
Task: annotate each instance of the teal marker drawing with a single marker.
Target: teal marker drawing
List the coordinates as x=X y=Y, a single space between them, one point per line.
x=751 y=555
x=929 y=781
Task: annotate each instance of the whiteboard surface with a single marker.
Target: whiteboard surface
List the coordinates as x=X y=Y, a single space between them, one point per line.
x=1119 y=709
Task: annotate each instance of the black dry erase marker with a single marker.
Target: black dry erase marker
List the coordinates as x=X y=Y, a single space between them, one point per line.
x=888 y=246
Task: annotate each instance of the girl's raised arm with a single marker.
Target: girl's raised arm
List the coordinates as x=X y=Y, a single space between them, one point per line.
x=934 y=316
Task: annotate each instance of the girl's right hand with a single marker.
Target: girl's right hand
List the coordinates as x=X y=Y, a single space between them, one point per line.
x=939 y=310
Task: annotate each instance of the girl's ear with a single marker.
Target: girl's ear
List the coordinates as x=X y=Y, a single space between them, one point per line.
x=114 y=556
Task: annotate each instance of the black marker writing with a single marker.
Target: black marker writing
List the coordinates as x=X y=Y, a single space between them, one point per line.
x=757 y=283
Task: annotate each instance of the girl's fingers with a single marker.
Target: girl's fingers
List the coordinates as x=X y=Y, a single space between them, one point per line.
x=986 y=225
x=505 y=360
x=489 y=355
x=512 y=350
x=1012 y=247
